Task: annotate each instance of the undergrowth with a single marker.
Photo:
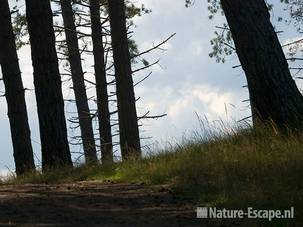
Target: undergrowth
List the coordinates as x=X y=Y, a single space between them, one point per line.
x=235 y=169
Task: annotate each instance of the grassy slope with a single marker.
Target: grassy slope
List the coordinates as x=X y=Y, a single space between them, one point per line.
x=259 y=169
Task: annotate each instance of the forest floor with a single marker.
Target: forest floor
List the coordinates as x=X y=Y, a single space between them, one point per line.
x=94 y=204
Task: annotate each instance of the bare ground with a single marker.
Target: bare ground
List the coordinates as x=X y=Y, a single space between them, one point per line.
x=94 y=204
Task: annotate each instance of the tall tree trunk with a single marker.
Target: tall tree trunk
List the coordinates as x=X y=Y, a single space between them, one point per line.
x=128 y=122
x=14 y=93
x=85 y=119
x=101 y=83
x=273 y=93
x=47 y=81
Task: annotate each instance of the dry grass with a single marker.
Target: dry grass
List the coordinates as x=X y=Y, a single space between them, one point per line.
x=241 y=168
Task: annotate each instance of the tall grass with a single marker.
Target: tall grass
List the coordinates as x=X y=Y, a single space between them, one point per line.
x=238 y=169
x=230 y=168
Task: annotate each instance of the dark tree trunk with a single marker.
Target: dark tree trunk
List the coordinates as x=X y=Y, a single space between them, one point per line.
x=14 y=93
x=47 y=81
x=85 y=119
x=101 y=83
x=273 y=93
x=128 y=122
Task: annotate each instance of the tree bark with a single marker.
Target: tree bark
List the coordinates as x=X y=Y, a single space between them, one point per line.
x=101 y=84
x=14 y=93
x=47 y=81
x=274 y=95
x=128 y=122
x=85 y=119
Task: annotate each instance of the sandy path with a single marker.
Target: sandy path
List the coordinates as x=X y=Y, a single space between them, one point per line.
x=94 y=204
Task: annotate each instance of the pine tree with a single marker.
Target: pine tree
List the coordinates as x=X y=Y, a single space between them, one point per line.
x=47 y=81
x=85 y=120
x=274 y=95
x=14 y=93
x=128 y=122
x=101 y=83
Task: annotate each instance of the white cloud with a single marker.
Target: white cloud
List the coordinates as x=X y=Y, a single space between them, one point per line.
x=197 y=48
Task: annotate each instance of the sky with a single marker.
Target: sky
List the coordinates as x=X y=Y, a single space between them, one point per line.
x=186 y=83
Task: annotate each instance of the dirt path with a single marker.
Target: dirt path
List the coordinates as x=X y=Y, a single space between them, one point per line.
x=94 y=204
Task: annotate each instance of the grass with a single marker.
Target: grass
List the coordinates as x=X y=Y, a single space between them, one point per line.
x=262 y=169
